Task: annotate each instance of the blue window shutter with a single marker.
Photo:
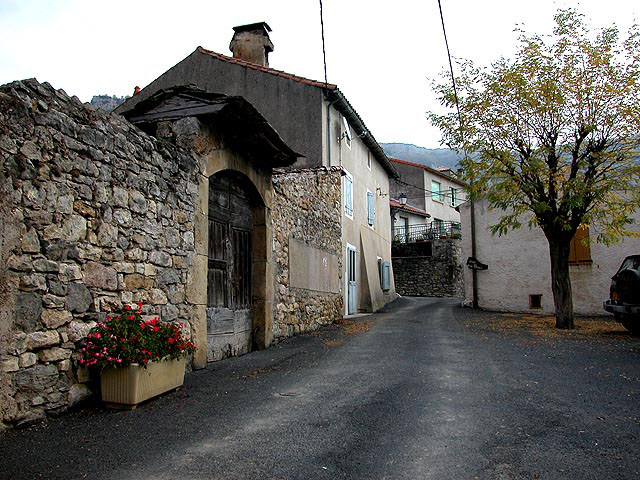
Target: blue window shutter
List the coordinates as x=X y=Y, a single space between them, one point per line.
x=348 y=195
x=370 y=208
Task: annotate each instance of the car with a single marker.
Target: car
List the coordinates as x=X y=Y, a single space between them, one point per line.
x=624 y=294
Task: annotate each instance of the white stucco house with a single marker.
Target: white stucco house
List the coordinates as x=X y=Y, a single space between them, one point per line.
x=518 y=277
x=432 y=196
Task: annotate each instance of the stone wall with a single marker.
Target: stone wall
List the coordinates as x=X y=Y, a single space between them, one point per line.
x=306 y=207
x=93 y=214
x=438 y=275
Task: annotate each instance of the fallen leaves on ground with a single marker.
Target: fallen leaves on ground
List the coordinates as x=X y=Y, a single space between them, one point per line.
x=347 y=327
x=545 y=325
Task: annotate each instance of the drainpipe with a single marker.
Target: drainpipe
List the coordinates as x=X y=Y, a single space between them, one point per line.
x=328 y=131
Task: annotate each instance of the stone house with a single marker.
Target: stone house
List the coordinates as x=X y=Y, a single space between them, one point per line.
x=315 y=119
x=94 y=213
x=520 y=260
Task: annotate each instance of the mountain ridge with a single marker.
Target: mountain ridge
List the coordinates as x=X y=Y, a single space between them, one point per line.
x=431 y=157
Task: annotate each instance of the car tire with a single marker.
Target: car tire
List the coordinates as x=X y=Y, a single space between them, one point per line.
x=631 y=324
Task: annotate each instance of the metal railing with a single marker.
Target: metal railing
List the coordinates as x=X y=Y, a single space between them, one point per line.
x=429 y=231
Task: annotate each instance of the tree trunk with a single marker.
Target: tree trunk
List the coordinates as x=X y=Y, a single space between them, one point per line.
x=561 y=283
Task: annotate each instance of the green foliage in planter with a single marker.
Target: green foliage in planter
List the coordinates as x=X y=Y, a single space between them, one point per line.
x=126 y=338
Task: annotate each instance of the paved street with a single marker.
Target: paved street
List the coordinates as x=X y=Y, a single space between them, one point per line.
x=427 y=392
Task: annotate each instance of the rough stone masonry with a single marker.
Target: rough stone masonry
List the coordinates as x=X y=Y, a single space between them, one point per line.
x=93 y=213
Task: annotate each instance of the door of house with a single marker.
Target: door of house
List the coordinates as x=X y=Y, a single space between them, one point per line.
x=351 y=280
x=229 y=318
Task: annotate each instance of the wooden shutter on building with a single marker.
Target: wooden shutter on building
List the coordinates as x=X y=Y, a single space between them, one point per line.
x=580 y=251
x=348 y=195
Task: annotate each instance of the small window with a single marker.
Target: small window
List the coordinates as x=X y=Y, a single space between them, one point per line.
x=535 y=301
x=380 y=270
x=371 y=209
x=435 y=191
x=368 y=159
x=453 y=197
x=348 y=195
x=579 y=250
x=437 y=227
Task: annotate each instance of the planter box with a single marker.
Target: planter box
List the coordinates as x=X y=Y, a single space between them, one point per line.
x=128 y=386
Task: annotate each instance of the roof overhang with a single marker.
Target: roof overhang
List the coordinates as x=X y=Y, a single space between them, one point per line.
x=341 y=104
x=242 y=125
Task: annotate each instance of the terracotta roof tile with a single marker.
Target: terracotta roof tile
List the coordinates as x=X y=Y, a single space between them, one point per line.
x=395 y=204
x=261 y=68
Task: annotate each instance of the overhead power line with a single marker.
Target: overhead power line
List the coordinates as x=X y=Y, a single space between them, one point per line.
x=324 y=53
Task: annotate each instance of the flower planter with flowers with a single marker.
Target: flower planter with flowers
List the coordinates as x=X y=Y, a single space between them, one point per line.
x=139 y=359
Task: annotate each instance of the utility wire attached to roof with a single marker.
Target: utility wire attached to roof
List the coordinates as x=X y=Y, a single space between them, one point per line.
x=324 y=53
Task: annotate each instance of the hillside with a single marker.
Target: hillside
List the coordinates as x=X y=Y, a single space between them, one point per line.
x=106 y=102
x=432 y=157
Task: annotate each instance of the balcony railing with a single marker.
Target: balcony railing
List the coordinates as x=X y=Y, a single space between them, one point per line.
x=430 y=231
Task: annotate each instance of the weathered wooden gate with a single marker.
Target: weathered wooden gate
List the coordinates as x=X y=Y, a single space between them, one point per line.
x=229 y=285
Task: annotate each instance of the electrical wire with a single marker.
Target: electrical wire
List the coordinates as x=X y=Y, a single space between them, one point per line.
x=324 y=53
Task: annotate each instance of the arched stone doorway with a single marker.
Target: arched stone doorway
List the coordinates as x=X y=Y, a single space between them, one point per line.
x=235 y=244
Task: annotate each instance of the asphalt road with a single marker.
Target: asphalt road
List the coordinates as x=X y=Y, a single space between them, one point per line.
x=425 y=393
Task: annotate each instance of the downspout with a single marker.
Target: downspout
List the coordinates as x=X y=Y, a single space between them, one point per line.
x=328 y=131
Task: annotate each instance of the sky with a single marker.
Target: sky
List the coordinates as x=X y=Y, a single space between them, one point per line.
x=382 y=55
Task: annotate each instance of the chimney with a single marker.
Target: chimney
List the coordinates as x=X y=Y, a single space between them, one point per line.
x=251 y=43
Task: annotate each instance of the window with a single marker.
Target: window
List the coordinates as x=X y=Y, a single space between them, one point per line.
x=368 y=159
x=380 y=270
x=371 y=209
x=348 y=195
x=579 y=251
x=453 y=196
x=435 y=191
x=437 y=226
x=535 y=301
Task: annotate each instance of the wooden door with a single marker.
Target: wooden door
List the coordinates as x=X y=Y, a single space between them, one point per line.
x=229 y=285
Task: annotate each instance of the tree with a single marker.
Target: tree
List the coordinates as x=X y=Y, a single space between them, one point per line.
x=553 y=135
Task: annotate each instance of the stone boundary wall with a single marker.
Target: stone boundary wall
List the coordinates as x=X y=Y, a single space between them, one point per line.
x=439 y=275
x=93 y=214
x=307 y=207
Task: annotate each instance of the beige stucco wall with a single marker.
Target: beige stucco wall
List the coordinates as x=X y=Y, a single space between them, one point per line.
x=442 y=210
x=412 y=217
x=371 y=243
x=519 y=266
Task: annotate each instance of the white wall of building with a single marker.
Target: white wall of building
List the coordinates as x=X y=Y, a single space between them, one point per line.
x=371 y=242
x=442 y=210
x=519 y=266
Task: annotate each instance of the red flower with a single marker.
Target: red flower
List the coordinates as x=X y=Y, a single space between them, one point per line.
x=143 y=325
x=130 y=317
x=128 y=307
x=155 y=329
x=171 y=340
